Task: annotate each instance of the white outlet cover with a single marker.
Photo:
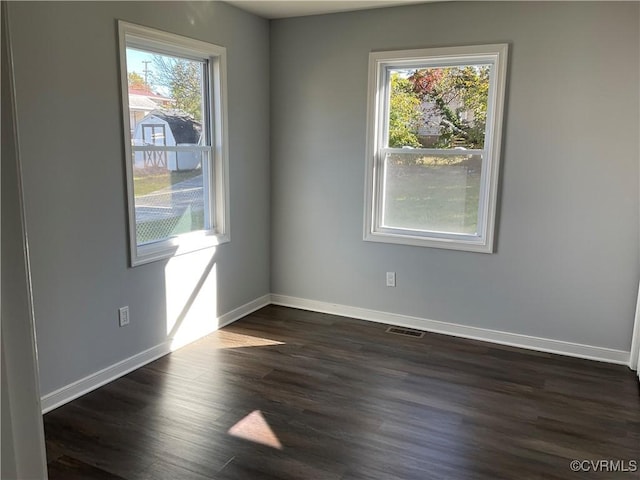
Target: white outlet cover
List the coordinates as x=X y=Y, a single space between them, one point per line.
x=391 y=279
x=123 y=316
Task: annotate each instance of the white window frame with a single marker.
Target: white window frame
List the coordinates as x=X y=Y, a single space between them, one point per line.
x=216 y=177
x=377 y=115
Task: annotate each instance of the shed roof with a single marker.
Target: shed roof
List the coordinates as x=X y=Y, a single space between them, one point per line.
x=184 y=127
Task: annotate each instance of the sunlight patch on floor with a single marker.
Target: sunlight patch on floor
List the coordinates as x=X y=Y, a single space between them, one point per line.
x=224 y=339
x=255 y=428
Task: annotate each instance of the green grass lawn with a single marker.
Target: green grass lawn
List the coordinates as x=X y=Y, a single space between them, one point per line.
x=149 y=181
x=160 y=226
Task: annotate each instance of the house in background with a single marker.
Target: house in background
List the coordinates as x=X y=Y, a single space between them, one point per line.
x=142 y=101
x=564 y=276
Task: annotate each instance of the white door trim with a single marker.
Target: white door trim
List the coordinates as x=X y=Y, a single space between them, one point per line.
x=635 y=339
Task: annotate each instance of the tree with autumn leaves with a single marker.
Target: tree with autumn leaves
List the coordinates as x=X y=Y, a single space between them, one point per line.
x=454 y=96
x=136 y=81
x=180 y=77
x=404 y=113
x=183 y=78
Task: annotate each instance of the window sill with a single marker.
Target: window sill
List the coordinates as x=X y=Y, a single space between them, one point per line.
x=466 y=243
x=174 y=247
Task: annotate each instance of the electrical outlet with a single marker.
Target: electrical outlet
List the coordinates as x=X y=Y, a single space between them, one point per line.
x=391 y=279
x=123 y=316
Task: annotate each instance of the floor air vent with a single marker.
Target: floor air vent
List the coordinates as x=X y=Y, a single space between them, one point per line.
x=407 y=332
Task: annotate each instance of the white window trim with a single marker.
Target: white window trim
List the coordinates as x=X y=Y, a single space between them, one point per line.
x=495 y=54
x=168 y=43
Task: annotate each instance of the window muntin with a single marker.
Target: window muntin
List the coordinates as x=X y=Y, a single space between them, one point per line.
x=433 y=146
x=175 y=142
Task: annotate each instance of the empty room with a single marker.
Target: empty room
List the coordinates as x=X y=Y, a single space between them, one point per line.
x=386 y=240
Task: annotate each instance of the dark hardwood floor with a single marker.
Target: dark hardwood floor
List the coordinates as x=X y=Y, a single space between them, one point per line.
x=290 y=394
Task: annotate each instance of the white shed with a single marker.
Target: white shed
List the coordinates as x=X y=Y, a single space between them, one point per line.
x=167 y=129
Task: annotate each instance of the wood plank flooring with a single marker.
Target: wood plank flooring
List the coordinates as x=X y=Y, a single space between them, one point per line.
x=346 y=401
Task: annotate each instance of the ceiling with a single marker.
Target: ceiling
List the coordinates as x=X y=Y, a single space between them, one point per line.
x=299 y=8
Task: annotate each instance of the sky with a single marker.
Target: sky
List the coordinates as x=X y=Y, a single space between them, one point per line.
x=135 y=59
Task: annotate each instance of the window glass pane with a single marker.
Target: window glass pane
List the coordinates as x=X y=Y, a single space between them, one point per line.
x=169 y=201
x=166 y=105
x=164 y=83
x=438 y=107
x=432 y=193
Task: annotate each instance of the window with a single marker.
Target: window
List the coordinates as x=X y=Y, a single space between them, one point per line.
x=433 y=146
x=174 y=116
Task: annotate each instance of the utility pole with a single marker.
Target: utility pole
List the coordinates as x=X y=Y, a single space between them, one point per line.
x=146 y=71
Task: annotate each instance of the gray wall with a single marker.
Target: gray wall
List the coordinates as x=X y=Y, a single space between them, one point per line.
x=67 y=77
x=566 y=265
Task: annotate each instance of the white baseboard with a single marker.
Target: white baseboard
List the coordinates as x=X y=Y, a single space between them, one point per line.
x=494 y=336
x=91 y=382
x=244 y=310
x=85 y=385
x=80 y=387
